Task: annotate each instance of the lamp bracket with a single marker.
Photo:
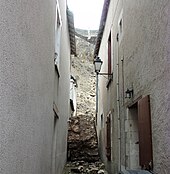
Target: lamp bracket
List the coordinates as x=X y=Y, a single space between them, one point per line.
x=109 y=74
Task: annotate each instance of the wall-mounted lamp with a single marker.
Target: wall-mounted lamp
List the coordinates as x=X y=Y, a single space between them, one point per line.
x=97 y=67
x=97 y=64
x=129 y=93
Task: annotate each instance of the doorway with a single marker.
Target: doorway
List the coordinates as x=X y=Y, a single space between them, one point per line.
x=54 y=144
x=139 y=135
x=132 y=138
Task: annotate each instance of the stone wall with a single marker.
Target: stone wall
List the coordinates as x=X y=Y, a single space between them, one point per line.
x=82 y=139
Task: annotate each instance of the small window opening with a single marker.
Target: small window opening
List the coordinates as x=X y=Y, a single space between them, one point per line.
x=121 y=26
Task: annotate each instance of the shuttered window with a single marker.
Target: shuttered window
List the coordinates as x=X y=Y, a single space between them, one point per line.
x=145 y=135
x=58 y=25
x=108 y=138
x=109 y=55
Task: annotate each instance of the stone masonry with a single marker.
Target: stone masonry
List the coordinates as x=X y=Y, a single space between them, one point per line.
x=82 y=139
x=83 y=155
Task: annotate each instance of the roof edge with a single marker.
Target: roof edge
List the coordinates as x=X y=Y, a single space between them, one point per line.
x=101 y=27
x=71 y=28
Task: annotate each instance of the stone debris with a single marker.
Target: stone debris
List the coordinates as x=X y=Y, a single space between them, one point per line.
x=82 y=139
x=83 y=156
x=82 y=69
x=101 y=172
x=84 y=168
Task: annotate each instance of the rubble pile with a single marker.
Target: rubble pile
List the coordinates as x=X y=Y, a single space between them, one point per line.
x=83 y=156
x=82 y=139
x=82 y=68
x=84 y=168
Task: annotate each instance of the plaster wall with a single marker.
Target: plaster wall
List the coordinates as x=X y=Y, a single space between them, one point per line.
x=26 y=86
x=62 y=93
x=109 y=96
x=29 y=87
x=147 y=66
x=140 y=59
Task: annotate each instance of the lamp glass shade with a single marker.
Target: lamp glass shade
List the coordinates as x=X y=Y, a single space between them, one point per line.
x=97 y=64
x=128 y=95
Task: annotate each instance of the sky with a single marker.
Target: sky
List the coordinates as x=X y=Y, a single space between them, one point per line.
x=87 y=13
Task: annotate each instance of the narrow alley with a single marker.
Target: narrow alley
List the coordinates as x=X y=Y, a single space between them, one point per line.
x=82 y=143
x=85 y=87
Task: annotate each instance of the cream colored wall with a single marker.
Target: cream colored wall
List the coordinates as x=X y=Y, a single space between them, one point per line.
x=30 y=85
x=62 y=92
x=26 y=80
x=142 y=60
x=108 y=97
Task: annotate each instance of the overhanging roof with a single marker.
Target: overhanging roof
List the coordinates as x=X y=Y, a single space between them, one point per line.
x=101 y=27
x=71 y=28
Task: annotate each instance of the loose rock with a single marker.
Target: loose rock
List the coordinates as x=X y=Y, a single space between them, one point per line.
x=84 y=168
x=82 y=139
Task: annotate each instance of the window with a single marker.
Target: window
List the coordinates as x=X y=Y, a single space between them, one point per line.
x=110 y=77
x=109 y=55
x=120 y=27
x=102 y=122
x=58 y=25
x=108 y=137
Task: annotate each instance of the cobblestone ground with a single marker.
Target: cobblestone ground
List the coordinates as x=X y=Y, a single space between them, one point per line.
x=84 y=168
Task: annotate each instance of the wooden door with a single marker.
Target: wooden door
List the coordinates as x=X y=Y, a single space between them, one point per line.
x=145 y=134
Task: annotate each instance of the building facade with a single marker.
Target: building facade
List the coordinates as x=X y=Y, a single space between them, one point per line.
x=133 y=108
x=34 y=92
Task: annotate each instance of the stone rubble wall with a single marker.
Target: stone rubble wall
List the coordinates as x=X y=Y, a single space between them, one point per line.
x=83 y=155
x=82 y=69
x=82 y=139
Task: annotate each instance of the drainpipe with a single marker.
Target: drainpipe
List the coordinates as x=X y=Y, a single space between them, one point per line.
x=123 y=96
x=118 y=108
x=97 y=86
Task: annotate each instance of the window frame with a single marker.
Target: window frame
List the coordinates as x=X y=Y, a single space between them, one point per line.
x=109 y=60
x=58 y=26
x=109 y=55
x=108 y=137
x=120 y=27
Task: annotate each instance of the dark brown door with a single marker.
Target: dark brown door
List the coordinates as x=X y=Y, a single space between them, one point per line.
x=145 y=134
x=108 y=138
